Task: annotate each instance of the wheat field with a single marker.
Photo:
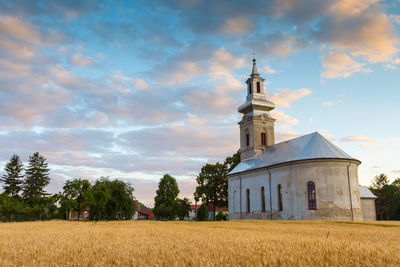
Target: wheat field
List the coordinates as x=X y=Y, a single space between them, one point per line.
x=234 y=243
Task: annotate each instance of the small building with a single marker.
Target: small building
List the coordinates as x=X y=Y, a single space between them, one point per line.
x=193 y=211
x=84 y=215
x=217 y=209
x=195 y=208
x=142 y=212
x=367 y=204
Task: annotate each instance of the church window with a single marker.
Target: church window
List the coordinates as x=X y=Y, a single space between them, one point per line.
x=312 y=197
x=247 y=200
x=247 y=139
x=262 y=198
x=280 y=204
x=258 y=87
x=263 y=139
x=234 y=201
x=249 y=88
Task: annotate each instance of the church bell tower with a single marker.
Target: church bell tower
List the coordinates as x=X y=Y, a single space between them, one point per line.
x=257 y=125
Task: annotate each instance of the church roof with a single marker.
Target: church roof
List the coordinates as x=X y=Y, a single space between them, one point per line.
x=310 y=146
x=365 y=192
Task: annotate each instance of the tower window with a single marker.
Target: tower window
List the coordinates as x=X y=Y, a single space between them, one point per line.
x=250 y=89
x=247 y=200
x=262 y=198
x=263 y=139
x=247 y=139
x=312 y=197
x=280 y=204
x=258 y=87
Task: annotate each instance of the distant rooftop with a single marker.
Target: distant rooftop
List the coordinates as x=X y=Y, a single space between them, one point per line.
x=365 y=192
x=310 y=146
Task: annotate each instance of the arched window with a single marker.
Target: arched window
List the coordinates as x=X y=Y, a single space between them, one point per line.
x=312 y=197
x=234 y=201
x=263 y=139
x=280 y=204
x=247 y=200
x=247 y=139
x=249 y=88
x=258 y=87
x=262 y=198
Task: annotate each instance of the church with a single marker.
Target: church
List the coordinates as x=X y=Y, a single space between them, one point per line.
x=305 y=178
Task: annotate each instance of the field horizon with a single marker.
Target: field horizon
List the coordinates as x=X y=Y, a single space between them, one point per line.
x=231 y=243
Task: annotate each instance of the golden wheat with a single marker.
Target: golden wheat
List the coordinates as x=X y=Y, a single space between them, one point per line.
x=246 y=243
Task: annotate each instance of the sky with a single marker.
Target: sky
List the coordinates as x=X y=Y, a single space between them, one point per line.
x=137 y=89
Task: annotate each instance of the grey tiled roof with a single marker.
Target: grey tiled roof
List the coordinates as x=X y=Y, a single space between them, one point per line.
x=365 y=192
x=310 y=146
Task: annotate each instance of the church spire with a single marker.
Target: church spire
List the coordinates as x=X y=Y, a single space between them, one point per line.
x=254 y=71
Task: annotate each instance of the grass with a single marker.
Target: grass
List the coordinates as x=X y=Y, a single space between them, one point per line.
x=234 y=243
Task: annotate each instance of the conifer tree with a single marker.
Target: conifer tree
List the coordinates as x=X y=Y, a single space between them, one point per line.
x=36 y=177
x=12 y=180
x=165 y=199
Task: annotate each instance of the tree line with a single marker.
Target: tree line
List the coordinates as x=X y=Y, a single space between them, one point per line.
x=387 y=203
x=24 y=197
x=212 y=188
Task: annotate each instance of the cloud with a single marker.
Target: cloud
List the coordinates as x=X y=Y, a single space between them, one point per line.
x=18 y=29
x=141 y=84
x=81 y=60
x=187 y=139
x=360 y=27
x=331 y=103
x=393 y=63
x=339 y=64
x=360 y=138
x=395 y=18
x=284 y=136
x=376 y=166
x=268 y=69
x=276 y=44
x=284 y=97
x=328 y=104
x=283 y=118
x=237 y=25
x=69 y=8
x=297 y=11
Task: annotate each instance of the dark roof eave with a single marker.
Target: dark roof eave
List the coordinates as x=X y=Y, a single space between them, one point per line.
x=277 y=165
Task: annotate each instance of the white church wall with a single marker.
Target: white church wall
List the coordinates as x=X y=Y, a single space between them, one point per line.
x=332 y=192
x=368 y=209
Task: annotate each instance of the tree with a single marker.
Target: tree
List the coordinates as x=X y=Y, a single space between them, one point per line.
x=196 y=199
x=182 y=208
x=202 y=212
x=213 y=182
x=37 y=178
x=165 y=199
x=213 y=185
x=13 y=179
x=380 y=181
x=221 y=216
x=75 y=195
x=111 y=200
x=231 y=162
x=121 y=204
x=98 y=197
x=388 y=197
